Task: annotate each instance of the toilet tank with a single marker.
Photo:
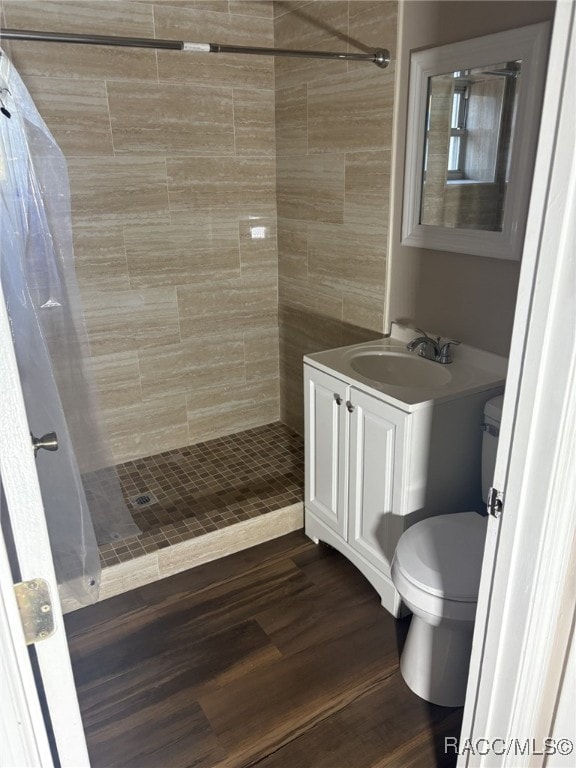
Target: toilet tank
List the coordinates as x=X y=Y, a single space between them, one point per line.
x=491 y=427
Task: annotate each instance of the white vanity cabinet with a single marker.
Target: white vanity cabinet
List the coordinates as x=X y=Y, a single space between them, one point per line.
x=373 y=469
x=353 y=478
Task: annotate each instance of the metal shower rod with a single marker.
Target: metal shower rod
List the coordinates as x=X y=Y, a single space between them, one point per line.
x=379 y=57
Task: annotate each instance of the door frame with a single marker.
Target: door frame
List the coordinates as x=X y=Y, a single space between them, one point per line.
x=526 y=607
x=34 y=559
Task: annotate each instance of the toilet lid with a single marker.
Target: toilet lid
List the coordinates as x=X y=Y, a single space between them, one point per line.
x=443 y=555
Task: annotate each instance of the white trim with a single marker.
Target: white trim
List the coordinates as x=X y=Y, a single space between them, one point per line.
x=527 y=598
x=23 y=737
x=22 y=493
x=529 y=44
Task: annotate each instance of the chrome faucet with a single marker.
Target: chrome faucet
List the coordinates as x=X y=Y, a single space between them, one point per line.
x=431 y=348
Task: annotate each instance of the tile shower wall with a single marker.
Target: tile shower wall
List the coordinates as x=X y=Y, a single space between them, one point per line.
x=333 y=144
x=172 y=169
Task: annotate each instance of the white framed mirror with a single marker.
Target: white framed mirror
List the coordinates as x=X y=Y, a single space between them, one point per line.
x=473 y=120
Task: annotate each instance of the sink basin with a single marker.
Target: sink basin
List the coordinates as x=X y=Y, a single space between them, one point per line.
x=385 y=368
x=399 y=369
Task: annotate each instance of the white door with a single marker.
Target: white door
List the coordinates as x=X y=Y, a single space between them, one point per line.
x=527 y=602
x=326 y=448
x=27 y=744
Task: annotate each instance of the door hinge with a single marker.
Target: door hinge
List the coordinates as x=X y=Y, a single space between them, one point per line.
x=35 y=606
x=495 y=503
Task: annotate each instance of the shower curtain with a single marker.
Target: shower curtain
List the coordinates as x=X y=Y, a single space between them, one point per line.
x=80 y=487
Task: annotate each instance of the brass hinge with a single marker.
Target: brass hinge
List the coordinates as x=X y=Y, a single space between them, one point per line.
x=35 y=606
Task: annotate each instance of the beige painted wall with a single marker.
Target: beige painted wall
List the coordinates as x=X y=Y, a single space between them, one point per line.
x=470 y=298
x=172 y=168
x=333 y=143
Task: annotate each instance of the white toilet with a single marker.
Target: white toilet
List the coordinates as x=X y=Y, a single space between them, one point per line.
x=436 y=570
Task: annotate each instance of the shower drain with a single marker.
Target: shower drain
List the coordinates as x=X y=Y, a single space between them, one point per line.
x=143 y=499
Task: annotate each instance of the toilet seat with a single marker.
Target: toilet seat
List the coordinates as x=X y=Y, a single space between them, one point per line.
x=442 y=556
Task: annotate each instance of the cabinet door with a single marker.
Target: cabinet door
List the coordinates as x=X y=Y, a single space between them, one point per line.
x=326 y=464
x=376 y=458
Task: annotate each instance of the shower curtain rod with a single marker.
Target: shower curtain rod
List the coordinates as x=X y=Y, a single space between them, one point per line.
x=379 y=57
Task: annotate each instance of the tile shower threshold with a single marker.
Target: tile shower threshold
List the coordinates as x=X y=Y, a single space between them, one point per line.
x=161 y=563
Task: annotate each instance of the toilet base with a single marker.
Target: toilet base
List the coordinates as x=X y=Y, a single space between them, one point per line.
x=436 y=659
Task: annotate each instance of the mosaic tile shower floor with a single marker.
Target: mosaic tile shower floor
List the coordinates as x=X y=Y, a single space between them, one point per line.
x=207 y=486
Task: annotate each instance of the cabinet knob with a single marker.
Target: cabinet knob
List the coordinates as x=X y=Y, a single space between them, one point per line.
x=337 y=398
x=350 y=406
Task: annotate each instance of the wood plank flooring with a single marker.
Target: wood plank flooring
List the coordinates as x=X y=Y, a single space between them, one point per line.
x=280 y=656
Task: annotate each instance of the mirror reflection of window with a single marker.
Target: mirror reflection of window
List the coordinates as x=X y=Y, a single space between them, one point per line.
x=469 y=124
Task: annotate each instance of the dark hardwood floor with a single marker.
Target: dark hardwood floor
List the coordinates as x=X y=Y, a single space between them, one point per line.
x=280 y=656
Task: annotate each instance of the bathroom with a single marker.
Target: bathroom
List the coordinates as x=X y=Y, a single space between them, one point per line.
x=294 y=186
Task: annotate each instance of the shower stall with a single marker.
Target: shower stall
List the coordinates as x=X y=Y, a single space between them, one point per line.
x=215 y=203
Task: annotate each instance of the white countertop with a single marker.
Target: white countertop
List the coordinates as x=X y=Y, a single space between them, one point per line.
x=472 y=370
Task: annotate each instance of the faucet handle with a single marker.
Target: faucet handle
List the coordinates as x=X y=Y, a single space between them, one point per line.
x=445 y=357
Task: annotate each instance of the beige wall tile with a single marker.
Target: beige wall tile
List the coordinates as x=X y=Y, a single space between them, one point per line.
x=364 y=310
x=372 y=25
x=261 y=354
x=254 y=121
x=321 y=25
x=289 y=72
x=118 y=321
x=347 y=257
x=310 y=297
x=99 y=256
x=292 y=249
x=367 y=188
x=213 y=182
x=292 y=120
x=368 y=173
x=145 y=428
x=209 y=68
x=217 y=6
x=174 y=119
x=318 y=24
x=96 y=17
x=118 y=379
x=223 y=230
x=100 y=17
x=200 y=25
x=261 y=8
x=311 y=188
x=224 y=410
x=281 y=7
x=350 y=112
x=244 y=303
x=196 y=364
x=258 y=248
x=76 y=112
x=331 y=253
x=176 y=253
x=123 y=189
x=82 y=62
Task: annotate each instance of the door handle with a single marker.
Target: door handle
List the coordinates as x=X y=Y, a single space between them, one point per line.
x=49 y=442
x=350 y=406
